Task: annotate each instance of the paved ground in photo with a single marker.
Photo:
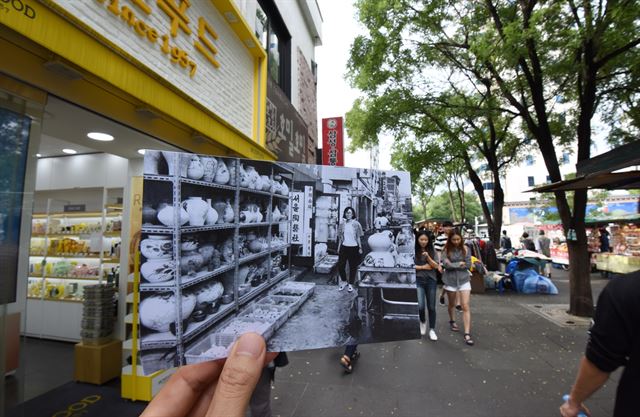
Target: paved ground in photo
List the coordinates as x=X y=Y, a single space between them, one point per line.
x=521 y=365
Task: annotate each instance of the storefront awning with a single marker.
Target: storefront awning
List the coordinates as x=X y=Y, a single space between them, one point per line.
x=609 y=181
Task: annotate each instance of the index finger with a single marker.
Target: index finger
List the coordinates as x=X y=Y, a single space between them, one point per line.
x=183 y=389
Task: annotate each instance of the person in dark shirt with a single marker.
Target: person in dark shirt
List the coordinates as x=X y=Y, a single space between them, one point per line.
x=527 y=242
x=614 y=341
x=505 y=241
x=604 y=240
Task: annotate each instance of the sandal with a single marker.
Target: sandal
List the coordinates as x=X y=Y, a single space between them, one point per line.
x=453 y=326
x=468 y=340
x=345 y=361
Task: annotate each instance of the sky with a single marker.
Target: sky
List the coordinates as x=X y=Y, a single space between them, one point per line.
x=335 y=96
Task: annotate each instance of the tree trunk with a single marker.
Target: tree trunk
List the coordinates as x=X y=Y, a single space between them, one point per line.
x=498 y=206
x=453 y=207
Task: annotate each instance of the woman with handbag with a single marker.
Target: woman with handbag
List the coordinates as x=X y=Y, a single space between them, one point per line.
x=456 y=261
x=426 y=282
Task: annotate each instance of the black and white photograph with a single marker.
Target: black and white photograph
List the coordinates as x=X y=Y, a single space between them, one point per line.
x=308 y=256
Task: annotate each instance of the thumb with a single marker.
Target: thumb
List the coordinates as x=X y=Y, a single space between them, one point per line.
x=239 y=377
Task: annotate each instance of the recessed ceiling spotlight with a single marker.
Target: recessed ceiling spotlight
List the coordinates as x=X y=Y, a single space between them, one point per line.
x=70 y=151
x=38 y=155
x=141 y=151
x=102 y=137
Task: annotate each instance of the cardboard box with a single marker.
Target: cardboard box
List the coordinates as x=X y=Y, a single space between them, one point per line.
x=98 y=364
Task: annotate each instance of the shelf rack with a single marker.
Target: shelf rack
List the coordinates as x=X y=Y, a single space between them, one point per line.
x=189 y=334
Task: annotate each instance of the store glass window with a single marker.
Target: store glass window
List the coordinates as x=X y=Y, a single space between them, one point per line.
x=531 y=181
x=275 y=39
x=530 y=160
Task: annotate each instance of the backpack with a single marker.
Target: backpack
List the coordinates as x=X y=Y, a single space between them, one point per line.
x=506 y=242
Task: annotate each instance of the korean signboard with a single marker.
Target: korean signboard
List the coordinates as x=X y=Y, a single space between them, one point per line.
x=287 y=133
x=332 y=142
x=307 y=238
x=297 y=217
x=187 y=43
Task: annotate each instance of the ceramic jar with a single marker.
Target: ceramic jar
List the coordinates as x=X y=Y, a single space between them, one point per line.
x=243 y=176
x=222 y=173
x=266 y=182
x=197 y=210
x=165 y=215
x=191 y=262
x=212 y=214
x=284 y=188
x=255 y=246
x=226 y=250
x=158 y=270
x=276 y=215
x=151 y=161
x=175 y=158
x=158 y=312
x=156 y=247
x=229 y=214
x=219 y=207
x=195 y=170
x=253 y=176
x=189 y=243
x=207 y=251
x=149 y=214
x=231 y=166
x=210 y=165
x=380 y=260
x=381 y=241
x=209 y=292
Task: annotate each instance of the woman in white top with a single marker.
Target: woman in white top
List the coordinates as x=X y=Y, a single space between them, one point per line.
x=349 y=248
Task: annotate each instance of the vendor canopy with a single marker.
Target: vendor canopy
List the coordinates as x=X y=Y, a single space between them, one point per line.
x=599 y=172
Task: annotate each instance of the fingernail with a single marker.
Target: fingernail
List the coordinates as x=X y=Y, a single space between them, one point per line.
x=250 y=344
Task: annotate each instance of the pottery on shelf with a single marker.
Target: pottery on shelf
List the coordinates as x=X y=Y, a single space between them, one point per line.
x=189 y=243
x=243 y=176
x=226 y=250
x=195 y=170
x=197 y=210
x=222 y=173
x=253 y=176
x=207 y=251
x=209 y=292
x=276 y=215
x=231 y=166
x=284 y=188
x=191 y=262
x=158 y=312
x=380 y=260
x=381 y=241
x=151 y=161
x=212 y=214
x=229 y=214
x=157 y=270
x=157 y=247
x=149 y=214
x=210 y=165
x=179 y=160
x=255 y=246
x=266 y=182
x=165 y=215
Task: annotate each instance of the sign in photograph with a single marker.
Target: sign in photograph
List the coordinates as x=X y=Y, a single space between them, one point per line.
x=225 y=258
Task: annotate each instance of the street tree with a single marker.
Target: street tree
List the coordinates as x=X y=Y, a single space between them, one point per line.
x=554 y=64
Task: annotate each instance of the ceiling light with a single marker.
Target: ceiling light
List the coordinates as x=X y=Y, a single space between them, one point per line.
x=69 y=151
x=102 y=137
x=39 y=155
x=141 y=151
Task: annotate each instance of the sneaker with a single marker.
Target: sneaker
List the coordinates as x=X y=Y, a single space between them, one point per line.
x=423 y=328
x=341 y=285
x=349 y=288
x=432 y=335
x=441 y=300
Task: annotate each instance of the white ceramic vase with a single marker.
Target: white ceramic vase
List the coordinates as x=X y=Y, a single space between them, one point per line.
x=229 y=214
x=165 y=215
x=222 y=173
x=210 y=165
x=197 y=210
x=157 y=270
x=181 y=160
x=159 y=311
x=195 y=171
x=156 y=247
x=151 y=160
x=212 y=214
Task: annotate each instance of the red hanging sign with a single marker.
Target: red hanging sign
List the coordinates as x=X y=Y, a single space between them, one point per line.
x=332 y=142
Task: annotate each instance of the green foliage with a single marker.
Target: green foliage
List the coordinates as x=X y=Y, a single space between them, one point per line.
x=439 y=207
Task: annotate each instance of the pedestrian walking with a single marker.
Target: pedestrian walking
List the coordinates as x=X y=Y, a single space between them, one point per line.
x=260 y=402
x=427 y=283
x=438 y=246
x=527 y=242
x=605 y=246
x=505 y=241
x=544 y=247
x=349 y=248
x=349 y=358
x=614 y=341
x=457 y=282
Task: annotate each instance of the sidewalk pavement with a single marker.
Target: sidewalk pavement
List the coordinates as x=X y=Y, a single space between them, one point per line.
x=521 y=365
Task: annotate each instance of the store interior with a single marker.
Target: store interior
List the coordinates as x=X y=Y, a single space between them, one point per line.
x=82 y=163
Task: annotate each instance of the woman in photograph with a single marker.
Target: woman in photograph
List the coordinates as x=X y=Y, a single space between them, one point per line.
x=427 y=282
x=349 y=248
x=456 y=261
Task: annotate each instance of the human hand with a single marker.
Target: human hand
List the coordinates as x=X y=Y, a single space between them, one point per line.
x=216 y=388
x=360 y=251
x=573 y=409
x=463 y=264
